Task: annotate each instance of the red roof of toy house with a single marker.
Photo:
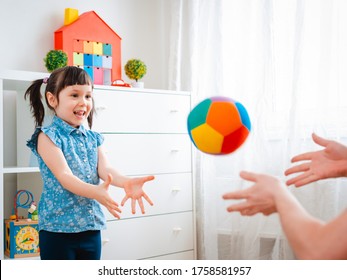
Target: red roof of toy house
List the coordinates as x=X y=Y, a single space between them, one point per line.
x=87 y=30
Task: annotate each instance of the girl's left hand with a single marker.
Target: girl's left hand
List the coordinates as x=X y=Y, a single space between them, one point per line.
x=133 y=189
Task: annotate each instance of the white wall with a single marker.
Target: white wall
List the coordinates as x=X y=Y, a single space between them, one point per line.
x=27 y=32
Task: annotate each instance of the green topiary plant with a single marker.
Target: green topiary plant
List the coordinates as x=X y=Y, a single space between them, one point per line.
x=135 y=69
x=55 y=59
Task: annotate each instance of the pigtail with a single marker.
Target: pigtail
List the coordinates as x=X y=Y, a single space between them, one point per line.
x=36 y=106
x=90 y=118
x=91 y=114
x=57 y=81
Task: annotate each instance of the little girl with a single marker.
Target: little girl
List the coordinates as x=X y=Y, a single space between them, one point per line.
x=72 y=161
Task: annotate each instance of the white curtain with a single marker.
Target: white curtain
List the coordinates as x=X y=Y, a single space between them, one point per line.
x=286 y=62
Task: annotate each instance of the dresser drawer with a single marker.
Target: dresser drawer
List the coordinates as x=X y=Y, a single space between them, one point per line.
x=188 y=255
x=148 y=237
x=133 y=154
x=170 y=193
x=118 y=111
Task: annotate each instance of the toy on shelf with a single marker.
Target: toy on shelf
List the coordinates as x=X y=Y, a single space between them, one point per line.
x=55 y=59
x=120 y=83
x=135 y=69
x=33 y=213
x=90 y=44
x=21 y=235
x=21 y=238
x=27 y=202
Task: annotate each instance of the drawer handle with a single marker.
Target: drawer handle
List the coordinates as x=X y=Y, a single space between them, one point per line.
x=176 y=189
x=173 y=111
x=100 y=108
x=177 y=229
x=105 y=241
x=175 y=150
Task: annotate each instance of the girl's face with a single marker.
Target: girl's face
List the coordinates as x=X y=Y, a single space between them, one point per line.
x=75 y=104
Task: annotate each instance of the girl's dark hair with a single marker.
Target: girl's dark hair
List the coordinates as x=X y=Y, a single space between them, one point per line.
x=57 y=81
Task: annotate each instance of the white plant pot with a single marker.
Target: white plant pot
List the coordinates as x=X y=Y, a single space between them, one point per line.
x=138 y=84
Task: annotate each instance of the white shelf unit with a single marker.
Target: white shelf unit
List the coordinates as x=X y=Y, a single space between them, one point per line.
x=145 y=133
x=14 y=175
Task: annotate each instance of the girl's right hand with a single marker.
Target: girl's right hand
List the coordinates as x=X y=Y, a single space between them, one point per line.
x=105 y=199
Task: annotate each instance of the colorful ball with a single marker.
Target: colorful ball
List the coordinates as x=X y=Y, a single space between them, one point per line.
x=218 y=125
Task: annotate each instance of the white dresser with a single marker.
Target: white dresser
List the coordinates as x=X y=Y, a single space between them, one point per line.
x=145 y=134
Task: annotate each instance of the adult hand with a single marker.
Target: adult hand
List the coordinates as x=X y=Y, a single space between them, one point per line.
x=331 y=162
x=259 y=198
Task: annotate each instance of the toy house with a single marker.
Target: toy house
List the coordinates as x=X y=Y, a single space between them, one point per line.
x=90 y=43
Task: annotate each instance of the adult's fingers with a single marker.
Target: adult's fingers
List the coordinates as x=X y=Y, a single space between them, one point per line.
x=249 y=176
x=298 y=168
x=319 y=140
x=238 y=207
x=240 y=194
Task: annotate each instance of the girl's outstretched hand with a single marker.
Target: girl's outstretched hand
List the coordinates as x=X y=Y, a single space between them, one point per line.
x=331 y=162
x=133 y=189
x=105 y=199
